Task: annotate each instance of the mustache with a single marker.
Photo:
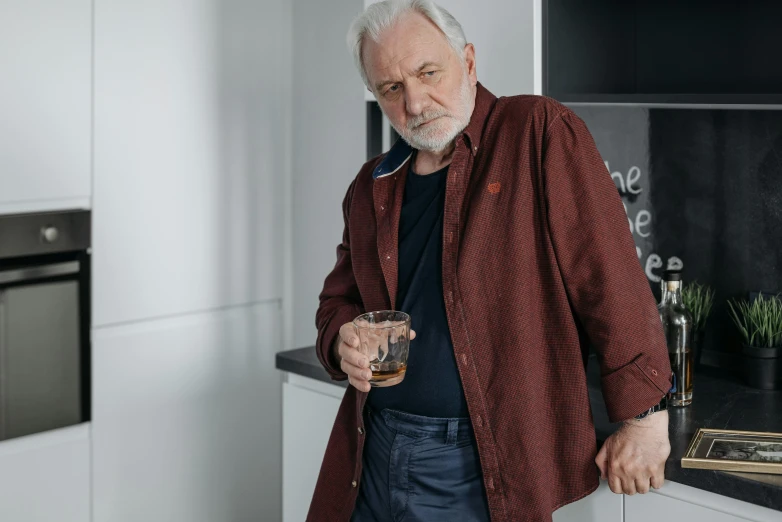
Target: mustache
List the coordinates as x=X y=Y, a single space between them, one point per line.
x=425 y=117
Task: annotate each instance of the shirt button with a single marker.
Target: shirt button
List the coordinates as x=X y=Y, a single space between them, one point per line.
x=388 y=257
x=354 y=483
x=450 y=296
x=490 y=483
x=360 y=430
x=654 y=372
x=464 y=358
x=475 y=148
x=479 y=421
x=382 y=207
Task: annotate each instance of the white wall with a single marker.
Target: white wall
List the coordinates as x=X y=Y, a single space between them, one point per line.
x=192 y=147
x=329 y=140
x=503 y=32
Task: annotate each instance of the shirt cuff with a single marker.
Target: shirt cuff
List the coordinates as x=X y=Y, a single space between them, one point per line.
x=634 y=388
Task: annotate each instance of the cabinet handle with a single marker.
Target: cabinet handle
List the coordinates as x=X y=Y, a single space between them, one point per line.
x=49 y=234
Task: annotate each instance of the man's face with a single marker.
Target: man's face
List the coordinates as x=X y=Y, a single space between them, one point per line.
x=422 y=85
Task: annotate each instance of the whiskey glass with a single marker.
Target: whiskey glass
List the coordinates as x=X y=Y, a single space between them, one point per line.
x=384 y=337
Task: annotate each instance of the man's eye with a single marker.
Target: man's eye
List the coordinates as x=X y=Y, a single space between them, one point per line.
x=430 y=73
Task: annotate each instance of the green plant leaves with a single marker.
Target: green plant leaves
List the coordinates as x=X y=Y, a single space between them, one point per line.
x=698 y=299
x=759 y=322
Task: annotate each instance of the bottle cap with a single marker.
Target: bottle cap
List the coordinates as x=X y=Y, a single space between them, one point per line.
x=672 y=275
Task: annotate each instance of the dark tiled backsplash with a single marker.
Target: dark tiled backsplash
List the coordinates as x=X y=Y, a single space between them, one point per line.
x=703 y=190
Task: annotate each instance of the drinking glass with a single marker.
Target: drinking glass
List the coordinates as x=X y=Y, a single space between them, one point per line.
x=384 y=337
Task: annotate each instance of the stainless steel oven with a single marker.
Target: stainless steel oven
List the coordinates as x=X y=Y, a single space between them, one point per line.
x=44 y=322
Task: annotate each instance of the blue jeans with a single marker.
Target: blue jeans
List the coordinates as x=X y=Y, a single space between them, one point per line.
x=419 y=469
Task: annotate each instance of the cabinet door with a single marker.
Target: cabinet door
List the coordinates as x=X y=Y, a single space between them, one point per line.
x=601 y=506
x=190 y=155
x=45 y=93
x=308 y=415
x=46 y=477
x=691 y=505
x=186 y=418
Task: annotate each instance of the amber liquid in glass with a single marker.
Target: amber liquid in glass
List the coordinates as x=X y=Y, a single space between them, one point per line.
x=387 y=373
x=682 y=364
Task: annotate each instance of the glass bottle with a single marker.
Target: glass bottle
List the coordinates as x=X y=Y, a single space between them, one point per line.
x=677 y=324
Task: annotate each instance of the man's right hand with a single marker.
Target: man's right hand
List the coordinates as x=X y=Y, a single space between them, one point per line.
x=354 y=363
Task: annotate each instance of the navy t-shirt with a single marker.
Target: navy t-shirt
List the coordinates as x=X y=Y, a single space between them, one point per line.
x=432 y=386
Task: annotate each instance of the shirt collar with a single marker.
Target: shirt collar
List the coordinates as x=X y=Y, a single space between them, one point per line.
x=401 y=151
x=394 y=159
x=484 y=102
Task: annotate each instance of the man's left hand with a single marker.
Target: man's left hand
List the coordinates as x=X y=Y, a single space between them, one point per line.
x=633 y=458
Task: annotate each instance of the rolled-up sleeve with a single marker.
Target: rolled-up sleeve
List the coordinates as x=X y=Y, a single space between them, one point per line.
x=340 y=300
x=597 y=259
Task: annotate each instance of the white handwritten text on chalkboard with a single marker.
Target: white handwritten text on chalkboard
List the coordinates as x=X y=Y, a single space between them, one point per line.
x=629 y=187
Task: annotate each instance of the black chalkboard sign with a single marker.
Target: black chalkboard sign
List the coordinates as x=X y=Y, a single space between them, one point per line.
x=703 y=191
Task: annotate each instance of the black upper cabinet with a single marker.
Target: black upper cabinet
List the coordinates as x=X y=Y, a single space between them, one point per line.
x=663 y=51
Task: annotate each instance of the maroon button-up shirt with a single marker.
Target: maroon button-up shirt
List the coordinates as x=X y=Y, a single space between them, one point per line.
x=538 y=262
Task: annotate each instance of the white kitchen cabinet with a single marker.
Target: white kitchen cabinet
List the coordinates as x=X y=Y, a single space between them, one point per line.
x=679 y=502
x=508 y=37
x=308 y=413
x=191 y=155
x=46 y=476
x=45 y=93
x=186 y=418
x=601 y=506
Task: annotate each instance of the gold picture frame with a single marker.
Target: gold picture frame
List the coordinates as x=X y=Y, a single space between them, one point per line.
x=731 y=450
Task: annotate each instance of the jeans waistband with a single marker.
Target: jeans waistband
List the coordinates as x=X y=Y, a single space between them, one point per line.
x=450 y=430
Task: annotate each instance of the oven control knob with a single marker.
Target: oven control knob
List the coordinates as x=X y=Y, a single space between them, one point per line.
x=49 y=234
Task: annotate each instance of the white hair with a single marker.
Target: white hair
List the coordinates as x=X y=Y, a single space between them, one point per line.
x=382 y=15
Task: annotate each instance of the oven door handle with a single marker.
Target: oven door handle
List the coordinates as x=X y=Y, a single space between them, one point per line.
x=30 y=273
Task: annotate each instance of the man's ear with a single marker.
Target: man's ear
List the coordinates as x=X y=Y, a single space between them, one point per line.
x=469 y=61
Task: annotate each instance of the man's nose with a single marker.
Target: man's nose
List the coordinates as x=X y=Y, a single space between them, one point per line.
x=417 y=100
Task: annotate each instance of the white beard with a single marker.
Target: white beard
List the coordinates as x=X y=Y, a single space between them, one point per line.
x=436 y=136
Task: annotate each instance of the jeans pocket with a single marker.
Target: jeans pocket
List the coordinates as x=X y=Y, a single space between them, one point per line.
x=445 y=483
x=399 y=474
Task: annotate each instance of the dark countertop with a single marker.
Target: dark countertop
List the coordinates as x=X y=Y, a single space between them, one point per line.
x=720 y=402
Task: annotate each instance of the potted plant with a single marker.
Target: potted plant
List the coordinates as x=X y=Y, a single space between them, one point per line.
x=698 y=300
x=760 y=324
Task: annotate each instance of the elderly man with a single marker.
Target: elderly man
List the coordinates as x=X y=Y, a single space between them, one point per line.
x=495 y=225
